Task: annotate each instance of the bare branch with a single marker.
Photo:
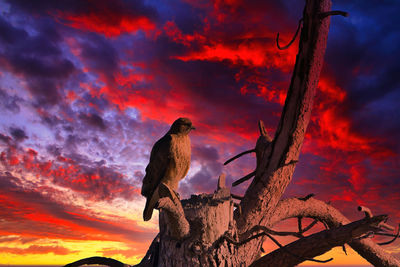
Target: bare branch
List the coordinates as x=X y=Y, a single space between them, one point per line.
x=263 y=131
x=263 y=229
x=293 y=207
x=239 y=155
x=244 y=179
x=299 y=226
x=385 y=234
x=319 y=243
x=366 y=210
x=311 y=225
x=236 y=196
x=265 y=233
x=368 y=214
x=391 y=241
x=344 y=249
x=387 y=226
x=293 y=39
x=307 y=197
x=333 y=13
x=238 y=207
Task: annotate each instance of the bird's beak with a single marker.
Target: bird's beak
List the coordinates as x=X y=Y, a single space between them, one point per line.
x=192 y=128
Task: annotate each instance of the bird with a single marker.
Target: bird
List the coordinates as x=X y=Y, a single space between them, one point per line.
x=169 y=163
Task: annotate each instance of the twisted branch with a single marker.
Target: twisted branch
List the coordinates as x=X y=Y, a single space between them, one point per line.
x=293 y=39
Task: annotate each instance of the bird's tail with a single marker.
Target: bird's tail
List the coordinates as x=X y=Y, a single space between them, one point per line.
x=151 y=202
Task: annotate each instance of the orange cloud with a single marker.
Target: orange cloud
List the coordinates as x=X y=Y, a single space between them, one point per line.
x=36 y=249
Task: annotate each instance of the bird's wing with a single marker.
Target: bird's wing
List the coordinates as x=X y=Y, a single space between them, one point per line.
x=160 y=158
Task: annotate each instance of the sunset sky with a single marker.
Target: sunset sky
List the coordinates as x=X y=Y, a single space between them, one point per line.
x=88 y=86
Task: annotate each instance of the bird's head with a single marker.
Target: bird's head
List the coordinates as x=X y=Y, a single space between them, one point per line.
x=181 y=126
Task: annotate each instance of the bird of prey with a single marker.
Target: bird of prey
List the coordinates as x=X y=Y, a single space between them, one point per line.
x=169 y=163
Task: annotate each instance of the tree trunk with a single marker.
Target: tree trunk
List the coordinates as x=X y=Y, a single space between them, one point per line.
x=210 y=218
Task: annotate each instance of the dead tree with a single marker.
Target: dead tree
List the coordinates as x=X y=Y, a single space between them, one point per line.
x=215 y=230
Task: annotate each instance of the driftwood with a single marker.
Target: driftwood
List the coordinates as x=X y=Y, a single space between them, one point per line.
x=223 y=229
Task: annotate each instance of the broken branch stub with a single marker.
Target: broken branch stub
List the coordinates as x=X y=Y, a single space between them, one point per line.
x=261 y=149
x=169 y=204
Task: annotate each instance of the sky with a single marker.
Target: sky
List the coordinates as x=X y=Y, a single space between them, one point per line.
x=87 y=87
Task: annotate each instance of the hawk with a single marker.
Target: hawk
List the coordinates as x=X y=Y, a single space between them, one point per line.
x=169 y=163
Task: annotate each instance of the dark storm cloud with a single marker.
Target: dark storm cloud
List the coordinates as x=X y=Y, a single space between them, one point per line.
x=43 y=6
x=45 y=91
x=5 y=138
x=79 y=7
x=51 y=119
x=54 y=150
x=203 y=181
x=366 y=78
x=38 y=59
x=205 y=153
x=18 y=134
x=73 y=141
x=36 y=56
x=10 y=34
x=32 y=64
x=9 y=102
x=367 y=44
x=99 y=55
x=93 y=120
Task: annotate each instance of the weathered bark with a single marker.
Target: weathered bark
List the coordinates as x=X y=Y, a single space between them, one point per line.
x=210 y=218
x=274 y=173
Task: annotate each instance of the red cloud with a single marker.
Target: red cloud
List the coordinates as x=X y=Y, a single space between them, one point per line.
x=113 y=26
x=96 y=183
x=35 y=212
x=247 y=53
x=176 y=35
x=109 y=18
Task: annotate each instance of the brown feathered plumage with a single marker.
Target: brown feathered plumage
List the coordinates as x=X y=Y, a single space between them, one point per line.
x=169 y=163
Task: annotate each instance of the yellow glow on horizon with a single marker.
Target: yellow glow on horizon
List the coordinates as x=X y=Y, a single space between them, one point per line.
x=132 y=253
x=339 y=258
x=80 y=250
